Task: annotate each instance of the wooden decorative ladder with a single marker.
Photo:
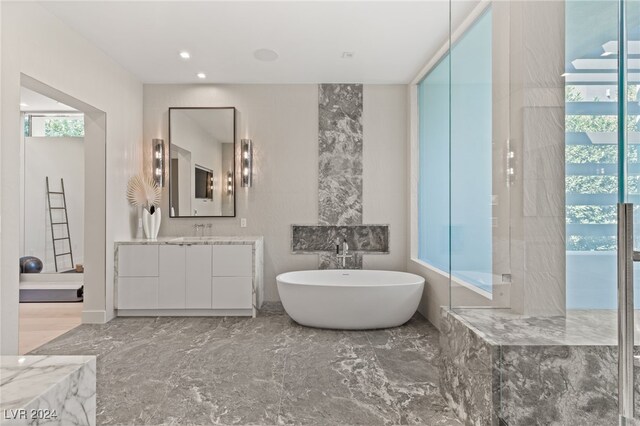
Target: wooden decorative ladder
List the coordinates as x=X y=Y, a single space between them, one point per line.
x=65 y=223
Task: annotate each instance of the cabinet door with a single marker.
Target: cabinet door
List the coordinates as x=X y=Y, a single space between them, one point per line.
x=198 y=277
x=232 y=260
x=171 y=283
x=232 y=293
x=137 y=260
x=137 y=293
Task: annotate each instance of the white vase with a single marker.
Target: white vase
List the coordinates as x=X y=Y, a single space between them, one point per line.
x=151 y=223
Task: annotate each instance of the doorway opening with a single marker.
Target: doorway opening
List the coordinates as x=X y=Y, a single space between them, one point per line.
x=51 y=220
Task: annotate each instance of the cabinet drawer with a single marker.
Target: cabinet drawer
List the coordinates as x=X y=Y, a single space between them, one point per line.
x=138 y=261
x=171 y=283
x=232 y=261
x=137 y=293
x=231 y=293
x=198 y=274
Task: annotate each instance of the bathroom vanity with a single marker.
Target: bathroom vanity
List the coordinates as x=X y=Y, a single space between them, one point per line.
x=189 y=276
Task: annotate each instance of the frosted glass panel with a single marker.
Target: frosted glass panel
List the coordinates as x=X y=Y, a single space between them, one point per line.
x=455 y=186
x=471 y=156
x=433 y=189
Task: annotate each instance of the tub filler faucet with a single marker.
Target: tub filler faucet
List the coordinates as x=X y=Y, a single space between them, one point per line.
x=345 y=252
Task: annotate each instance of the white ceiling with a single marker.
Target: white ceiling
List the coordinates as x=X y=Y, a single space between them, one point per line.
x=391 y=40
x=31 y=101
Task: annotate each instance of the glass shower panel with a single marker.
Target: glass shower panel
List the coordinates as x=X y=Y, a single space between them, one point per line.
x=591 y=153
x=632 y=145
x=478 y=186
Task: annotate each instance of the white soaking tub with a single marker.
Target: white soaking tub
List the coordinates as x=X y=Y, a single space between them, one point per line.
x=350 y=299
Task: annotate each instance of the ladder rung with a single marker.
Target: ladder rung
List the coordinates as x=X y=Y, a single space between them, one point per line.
x=63 y=254
x=57 y=208
x=55 y=192
x=59 y=223
x=63 y=238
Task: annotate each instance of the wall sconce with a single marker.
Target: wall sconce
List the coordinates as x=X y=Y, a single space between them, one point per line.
x=229 y=183
x=246 y=149
x=158 y=162
x=510 y=164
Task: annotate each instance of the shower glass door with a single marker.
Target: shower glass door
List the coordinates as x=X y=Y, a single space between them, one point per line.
x=629 y=140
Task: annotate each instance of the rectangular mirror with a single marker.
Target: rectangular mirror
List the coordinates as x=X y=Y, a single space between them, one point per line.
x=202 y=162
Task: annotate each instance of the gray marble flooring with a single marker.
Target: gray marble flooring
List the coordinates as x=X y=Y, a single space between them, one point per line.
x=262 y=371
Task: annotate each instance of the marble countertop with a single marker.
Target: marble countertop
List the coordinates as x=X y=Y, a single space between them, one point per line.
x=195 y=240
x=66 y=384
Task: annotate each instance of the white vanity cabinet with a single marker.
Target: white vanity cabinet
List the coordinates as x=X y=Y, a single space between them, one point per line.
x=231 y=284
x=182 y=277
x=171 y=277
x=198 y=276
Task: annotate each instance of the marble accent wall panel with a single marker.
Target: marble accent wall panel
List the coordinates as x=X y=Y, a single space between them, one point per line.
x=330 y=261
x=340 y=154
x=322 y=238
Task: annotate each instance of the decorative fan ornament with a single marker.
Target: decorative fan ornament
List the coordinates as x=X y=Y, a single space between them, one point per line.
x=143 y=192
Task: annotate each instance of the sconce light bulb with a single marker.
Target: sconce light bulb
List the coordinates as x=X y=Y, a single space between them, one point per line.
x=158 y=155
x=229 y=188
x=245 y=171
x=246 y=154
x=158 y=172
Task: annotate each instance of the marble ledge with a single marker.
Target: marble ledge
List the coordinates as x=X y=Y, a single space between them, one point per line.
x=213 y=240
x=576 y=328
x=48 y=390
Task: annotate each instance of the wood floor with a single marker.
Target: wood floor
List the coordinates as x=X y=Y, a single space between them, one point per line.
x=42 y=322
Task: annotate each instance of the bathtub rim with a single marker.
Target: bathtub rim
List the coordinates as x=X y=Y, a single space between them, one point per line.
x=419 y=280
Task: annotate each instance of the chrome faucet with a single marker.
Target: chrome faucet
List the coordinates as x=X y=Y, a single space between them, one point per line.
x=198 y=226
x=345 y=252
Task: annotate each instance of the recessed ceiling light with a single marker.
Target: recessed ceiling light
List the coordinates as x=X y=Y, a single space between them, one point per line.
x=22 y=104
x=185 y=55
x=201 y=75
x=348 y=55
x=265 y=55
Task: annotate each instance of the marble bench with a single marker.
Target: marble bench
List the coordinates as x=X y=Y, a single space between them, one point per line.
x=52 y=390
x=502 y=368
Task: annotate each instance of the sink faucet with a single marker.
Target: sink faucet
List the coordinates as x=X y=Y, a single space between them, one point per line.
x=345 y=252
x=197 y=227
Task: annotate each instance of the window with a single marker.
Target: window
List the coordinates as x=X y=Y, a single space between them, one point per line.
x=455 y=158
x=39 y=125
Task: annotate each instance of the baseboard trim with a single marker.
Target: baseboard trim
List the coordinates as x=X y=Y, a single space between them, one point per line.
x=94 y=317
x=184 y=312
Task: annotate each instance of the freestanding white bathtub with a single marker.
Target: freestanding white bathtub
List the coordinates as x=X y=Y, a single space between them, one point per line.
x=350 y=299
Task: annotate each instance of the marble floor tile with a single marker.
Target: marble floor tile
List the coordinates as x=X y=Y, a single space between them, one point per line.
x=263 y=371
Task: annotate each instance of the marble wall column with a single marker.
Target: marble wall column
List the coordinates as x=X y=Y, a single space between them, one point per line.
x=339 y=161
x=340 y=177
